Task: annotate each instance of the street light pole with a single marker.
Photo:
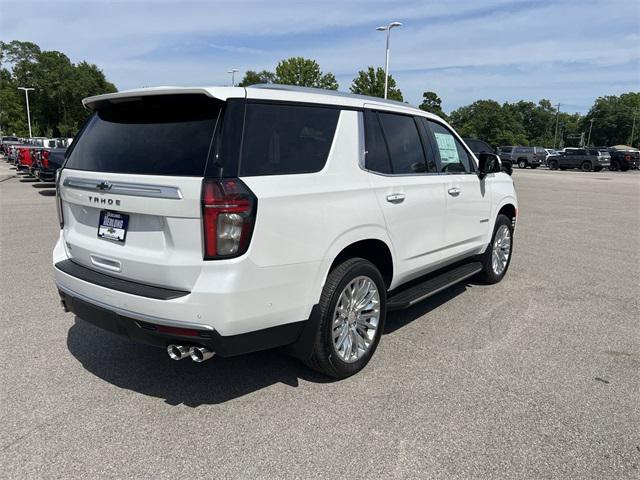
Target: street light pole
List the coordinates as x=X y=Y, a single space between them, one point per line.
x=633 y=128
x=386 y=59
x=26 y=95
x=233 y=72
x=590 y=127
x=555 y=137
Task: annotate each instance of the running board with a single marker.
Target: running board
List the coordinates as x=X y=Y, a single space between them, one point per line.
x=412 y=295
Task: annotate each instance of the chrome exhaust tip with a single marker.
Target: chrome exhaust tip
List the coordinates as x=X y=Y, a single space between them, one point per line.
x=200 y=354
x=177 y=352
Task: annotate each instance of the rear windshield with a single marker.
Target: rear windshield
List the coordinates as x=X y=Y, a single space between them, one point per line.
x=9 y=139
x=163 y=135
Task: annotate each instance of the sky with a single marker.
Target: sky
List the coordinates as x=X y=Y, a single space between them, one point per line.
x=567 y=51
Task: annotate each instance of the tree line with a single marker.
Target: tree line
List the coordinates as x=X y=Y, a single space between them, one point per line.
x=60 y=86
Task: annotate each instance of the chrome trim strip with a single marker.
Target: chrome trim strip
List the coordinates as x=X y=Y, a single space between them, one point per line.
x=124 y=188
x=134 y=315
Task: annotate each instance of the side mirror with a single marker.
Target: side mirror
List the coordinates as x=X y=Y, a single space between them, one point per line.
x=489 y=163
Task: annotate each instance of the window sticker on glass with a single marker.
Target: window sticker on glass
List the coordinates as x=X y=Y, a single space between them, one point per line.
x=447 y=147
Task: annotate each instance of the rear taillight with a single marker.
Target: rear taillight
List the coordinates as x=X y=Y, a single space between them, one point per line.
x=59 y=198
x=44 y=157
x=228 y=216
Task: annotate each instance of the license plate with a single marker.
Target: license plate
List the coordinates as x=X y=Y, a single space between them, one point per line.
x=113 y=226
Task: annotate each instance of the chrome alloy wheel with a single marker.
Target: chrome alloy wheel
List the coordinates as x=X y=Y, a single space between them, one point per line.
x=356 y=318
x=501 y=250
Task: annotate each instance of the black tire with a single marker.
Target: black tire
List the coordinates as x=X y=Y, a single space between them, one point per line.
x=533 y=167
x=487 y=275
x=553 y=164
x=615 y=166
x=597 y=169
x=586 y=166
x=522 y=164
x=324 y=357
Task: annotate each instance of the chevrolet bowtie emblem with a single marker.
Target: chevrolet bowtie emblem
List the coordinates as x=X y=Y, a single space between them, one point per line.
x=103 y=186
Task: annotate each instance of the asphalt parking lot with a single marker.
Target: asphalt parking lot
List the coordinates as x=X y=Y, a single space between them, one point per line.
x=536 y=377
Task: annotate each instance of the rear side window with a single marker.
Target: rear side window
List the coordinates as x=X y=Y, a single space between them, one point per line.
x=162 y=135
x=403 y=143
x=286 y=139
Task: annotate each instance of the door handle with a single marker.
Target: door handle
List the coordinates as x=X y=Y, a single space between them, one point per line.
x=395 y=198
x=454 y=192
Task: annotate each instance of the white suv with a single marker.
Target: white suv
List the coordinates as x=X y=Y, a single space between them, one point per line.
x=231 y=220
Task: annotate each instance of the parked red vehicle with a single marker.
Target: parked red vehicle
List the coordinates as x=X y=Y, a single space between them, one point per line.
x=41 y=156
x=24 y=159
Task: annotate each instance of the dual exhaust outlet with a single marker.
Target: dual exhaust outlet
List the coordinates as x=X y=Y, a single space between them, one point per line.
x=197 y=354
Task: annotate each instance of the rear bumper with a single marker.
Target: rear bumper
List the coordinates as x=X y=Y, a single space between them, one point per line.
x=161 y=335
x=230 y=297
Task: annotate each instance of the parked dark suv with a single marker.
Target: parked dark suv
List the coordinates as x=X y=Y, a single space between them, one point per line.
x=478 y=147
x=624 y=158
x=586 y=159
x=524 y=156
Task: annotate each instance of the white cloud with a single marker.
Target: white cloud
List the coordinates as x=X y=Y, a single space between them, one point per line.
x=463 y=50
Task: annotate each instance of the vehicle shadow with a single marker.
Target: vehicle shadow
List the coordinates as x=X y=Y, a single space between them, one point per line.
x=43 y=185
x=29 y=180
x=47 y=193
x=149 y=371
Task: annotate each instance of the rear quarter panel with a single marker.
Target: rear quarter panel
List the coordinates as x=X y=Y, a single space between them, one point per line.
x=305 y=220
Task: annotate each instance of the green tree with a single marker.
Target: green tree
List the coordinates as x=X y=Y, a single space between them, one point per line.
x=371 y=82
x=13 y=117
x=538 y=121
x=16 y=52
x=613 y=120
x=252 y=78
x=305 y=73
x=487 y=120
x=432 y=103
x=56 y=103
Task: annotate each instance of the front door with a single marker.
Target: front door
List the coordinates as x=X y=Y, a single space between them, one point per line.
x=467 y=198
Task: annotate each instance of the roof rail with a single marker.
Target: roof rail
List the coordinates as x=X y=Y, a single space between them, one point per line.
x=324 y=91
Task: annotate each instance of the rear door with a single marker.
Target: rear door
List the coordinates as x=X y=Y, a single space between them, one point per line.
x=131 y=189
x=408 y=189
x=468 y=199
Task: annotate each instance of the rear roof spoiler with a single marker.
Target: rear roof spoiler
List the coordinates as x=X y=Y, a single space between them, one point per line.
x=219 y=93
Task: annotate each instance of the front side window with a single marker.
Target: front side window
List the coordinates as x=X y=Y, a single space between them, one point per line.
x=453 y=157
x=286 y=139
